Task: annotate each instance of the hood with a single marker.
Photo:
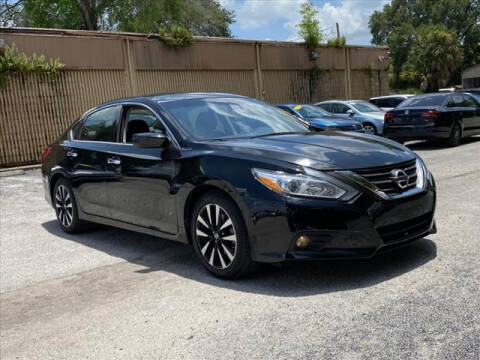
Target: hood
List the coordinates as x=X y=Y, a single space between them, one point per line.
x=321 y=151
x=332 y=121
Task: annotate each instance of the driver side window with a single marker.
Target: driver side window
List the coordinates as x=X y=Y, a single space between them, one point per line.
x=339 y=108
x=140 y=120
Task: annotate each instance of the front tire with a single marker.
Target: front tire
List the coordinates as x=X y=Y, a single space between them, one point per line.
x=220 y=237
x=66 y=207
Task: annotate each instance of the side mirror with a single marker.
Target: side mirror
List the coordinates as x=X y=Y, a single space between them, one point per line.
x=350 y=112
x=149 y=140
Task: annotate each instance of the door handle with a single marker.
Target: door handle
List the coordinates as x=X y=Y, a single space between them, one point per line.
x=72 y=153
x=113 y=161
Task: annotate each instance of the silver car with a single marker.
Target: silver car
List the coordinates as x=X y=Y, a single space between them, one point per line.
x=370 y=115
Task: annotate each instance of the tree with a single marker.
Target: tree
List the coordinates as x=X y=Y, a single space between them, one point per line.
x=399 y=22
x=309 y=26
x=200 y=17
x=434 y=56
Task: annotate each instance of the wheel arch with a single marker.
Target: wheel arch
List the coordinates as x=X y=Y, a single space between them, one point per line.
x=203 y=189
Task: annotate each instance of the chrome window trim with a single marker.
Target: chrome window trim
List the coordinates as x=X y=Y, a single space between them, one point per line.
x=122 y=103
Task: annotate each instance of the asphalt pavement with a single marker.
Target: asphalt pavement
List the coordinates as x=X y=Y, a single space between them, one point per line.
x=114 y=294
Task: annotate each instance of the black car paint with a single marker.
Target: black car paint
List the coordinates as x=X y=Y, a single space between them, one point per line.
x=409 y=124
x=153 y=190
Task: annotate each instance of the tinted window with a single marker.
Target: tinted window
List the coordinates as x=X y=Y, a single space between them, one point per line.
x=326 y=107
x=141 y=120
x=382 y=102
x=338 y=108
x=76 y=130
x=468 y=101
x=424 y=100
x=102 y=125
x=310 y=111
x=221 y=118
x=396 y=101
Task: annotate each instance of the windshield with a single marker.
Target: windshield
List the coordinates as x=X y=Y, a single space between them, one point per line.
x=310 y=111
x=229 y=118
x=365 y=107
x=424 y=100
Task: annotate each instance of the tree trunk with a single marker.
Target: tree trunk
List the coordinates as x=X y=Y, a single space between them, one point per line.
x=89 y=14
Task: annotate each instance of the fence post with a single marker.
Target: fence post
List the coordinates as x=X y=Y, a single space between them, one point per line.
x=261 y=91
x=130 y=68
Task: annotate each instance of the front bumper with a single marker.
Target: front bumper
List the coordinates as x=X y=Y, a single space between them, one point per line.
x=357 y=229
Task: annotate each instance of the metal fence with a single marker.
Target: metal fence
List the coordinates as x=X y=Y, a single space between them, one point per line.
x=34 y=111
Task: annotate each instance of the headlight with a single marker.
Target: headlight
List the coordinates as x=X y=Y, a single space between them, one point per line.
x=298 y=184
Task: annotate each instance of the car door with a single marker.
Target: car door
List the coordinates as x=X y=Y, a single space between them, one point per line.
x=340 y=109
x=471 y=115
x=142 y=190
x=85 y=161
x=458 y=111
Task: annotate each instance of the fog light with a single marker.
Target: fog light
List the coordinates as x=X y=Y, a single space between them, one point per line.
x=303 y=241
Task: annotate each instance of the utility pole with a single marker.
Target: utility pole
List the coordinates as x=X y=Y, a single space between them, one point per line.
x=338 y=30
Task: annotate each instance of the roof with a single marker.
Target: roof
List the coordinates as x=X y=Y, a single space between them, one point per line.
x=391 y=96
x=186 y=96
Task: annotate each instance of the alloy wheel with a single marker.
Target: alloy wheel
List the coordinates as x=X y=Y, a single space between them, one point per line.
x=369 y=129
x=64 y=205
x=216 y=236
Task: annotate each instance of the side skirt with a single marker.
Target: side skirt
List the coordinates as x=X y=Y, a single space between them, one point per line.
x=122 y=225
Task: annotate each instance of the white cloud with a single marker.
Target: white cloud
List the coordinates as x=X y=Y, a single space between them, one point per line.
x=352 y=16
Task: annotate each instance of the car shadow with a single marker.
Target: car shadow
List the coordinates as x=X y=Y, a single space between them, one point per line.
x=437 y=145
x=291 y=280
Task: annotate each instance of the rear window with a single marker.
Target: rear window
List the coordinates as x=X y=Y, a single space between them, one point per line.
x=424 y=100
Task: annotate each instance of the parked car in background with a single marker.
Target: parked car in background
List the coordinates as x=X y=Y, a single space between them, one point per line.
x=240 y=180
x=368 y=114
x=447 y=116
x=389 y=102
x=321 y=120
x=475 y=91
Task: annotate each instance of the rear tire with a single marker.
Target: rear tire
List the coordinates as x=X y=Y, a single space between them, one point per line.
x=220 y=237
x=66 y=208
x=455 y=135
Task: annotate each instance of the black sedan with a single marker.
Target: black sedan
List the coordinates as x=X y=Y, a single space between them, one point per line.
x=445 y=116
x=240 y=180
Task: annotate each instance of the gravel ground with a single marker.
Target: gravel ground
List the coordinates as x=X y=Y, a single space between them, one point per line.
x=114 y=294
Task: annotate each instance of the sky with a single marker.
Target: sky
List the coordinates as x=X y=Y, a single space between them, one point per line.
x=277 y=19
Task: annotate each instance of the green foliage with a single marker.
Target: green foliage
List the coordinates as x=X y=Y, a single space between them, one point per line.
x=397 y=26
x=13 y=62
x=200 y=17
x=177 y=37
x=434 y=56
x=337 y=42
x=309 y=26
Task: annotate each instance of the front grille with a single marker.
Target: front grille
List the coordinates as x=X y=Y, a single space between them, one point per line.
x=381 y=177
x=406 y=229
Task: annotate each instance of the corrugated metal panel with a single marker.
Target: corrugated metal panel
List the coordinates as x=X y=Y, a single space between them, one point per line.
x=303 y=86
x=34 y=111
x=158 y=81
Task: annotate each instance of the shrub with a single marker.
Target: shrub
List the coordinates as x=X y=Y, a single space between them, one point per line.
x=176 y=38
x=309 y=26
x=13 y=62
x=337 y=42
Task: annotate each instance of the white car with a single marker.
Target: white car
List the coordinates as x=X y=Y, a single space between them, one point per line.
x=389 y=102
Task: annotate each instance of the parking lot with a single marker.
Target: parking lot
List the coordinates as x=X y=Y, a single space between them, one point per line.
x=111 y=293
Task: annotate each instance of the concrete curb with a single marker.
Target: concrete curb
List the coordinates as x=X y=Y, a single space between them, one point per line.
x=19 y=170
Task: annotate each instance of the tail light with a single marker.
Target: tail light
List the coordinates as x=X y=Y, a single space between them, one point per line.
x=388 y=116
x=46 y=152
x=431 y=114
